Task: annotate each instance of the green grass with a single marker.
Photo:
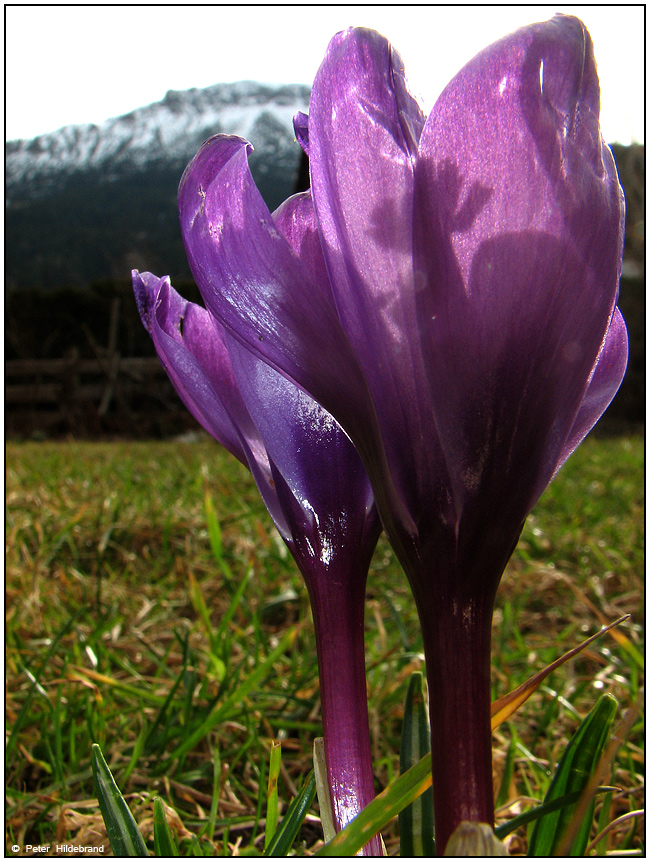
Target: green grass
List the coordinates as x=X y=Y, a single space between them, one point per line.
x=178 y=636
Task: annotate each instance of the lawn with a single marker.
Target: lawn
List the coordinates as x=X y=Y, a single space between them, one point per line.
x=152 y=608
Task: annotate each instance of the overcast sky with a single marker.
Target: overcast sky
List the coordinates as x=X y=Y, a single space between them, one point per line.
x=84 y=64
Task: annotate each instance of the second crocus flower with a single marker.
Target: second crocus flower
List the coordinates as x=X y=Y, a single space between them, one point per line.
x=317 y=492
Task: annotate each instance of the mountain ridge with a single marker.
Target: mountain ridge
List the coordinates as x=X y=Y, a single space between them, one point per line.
x=89 y=201
x=169 y=127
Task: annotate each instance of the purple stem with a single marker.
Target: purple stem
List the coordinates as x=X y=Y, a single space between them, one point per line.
x=338 y=608
x=456 y=632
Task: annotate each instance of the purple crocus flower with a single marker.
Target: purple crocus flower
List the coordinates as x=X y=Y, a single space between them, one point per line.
x=317 y=492
x=447 y=290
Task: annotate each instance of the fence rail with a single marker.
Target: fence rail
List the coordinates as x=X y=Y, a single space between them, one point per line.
x=34 y=381
x=128 y=365
x=80 y=394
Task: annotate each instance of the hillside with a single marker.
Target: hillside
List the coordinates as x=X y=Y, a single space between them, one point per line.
x=89 y=203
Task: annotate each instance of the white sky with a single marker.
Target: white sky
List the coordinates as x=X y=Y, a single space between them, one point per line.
x=84 y=64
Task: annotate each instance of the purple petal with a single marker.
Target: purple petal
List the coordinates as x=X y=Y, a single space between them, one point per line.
x=320 y=478
x=145 y=288
x=188 y=345
x=520 y=257
x=560 y=102
x=296 y=221
x=250 y=278
x=512 y=363
x=301 y=128
x=503 y=152
x=603 y=386
x=263 y=293
x=191 y=346
x=363 y=130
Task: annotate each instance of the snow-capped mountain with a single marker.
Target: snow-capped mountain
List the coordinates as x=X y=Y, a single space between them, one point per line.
x=160 y=133
x=86 y=202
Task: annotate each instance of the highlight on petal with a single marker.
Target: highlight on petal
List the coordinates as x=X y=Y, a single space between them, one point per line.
x=327 y=489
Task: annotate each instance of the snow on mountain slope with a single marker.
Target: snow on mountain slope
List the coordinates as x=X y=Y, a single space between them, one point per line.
x=162 y=133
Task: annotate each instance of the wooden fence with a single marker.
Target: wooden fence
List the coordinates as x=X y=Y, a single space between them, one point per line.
x=117 y=395
x=109 y=393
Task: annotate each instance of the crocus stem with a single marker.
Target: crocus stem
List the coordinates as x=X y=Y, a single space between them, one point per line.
x=338 y=620
x=456 y=634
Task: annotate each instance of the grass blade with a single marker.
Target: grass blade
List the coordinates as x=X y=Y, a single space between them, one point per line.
x=286 y=833
x=216 y=787
x=508 y=772
x=604 y=819
x=214 y=528
x=232 y=607
x=573 y=772
x=272 y=795
x=236 y=697
x=416 y=820
x=201 y=608
x=323 y=790
x=25 y=709
x=538 y=811
x=505 y=706
x=138 y=748
x=383 y=808
x=621 y=639
x=163 y=840
x=133 y=691
x=121 y=828
x=602 y=768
